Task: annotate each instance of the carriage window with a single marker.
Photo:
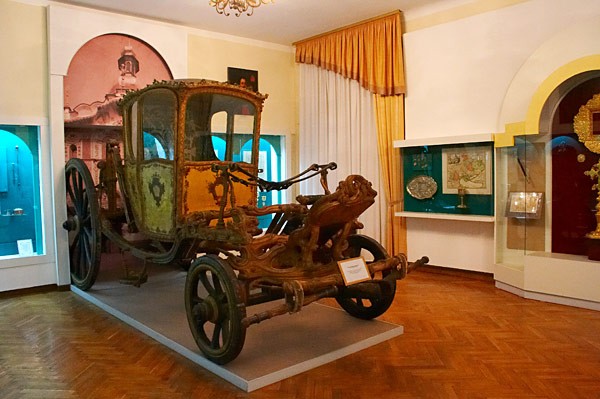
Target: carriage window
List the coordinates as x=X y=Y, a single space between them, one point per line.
x=158 y=124
x=212 y=120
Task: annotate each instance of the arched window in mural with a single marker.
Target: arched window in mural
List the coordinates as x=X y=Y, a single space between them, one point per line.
x=99 y=74
x=20 y=209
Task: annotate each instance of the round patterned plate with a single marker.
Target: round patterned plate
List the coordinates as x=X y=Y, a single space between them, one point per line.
x=421 y=187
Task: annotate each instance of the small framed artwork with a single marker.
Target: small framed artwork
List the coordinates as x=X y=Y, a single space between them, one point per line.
x=243 y=77
x=468 y=168
x=526 y=205
x=354 y=270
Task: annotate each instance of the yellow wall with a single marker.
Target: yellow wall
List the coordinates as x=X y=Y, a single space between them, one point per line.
x=209 y=58
x=24 y=66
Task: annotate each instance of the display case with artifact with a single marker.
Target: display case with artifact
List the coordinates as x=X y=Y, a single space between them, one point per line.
x=453 y=178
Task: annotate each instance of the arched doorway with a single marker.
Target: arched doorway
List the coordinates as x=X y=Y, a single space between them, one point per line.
x=573 y=200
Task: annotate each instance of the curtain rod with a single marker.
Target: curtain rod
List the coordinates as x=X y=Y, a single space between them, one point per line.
x=348 y=26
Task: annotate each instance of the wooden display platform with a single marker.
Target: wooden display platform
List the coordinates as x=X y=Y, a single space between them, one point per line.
x=274 y=349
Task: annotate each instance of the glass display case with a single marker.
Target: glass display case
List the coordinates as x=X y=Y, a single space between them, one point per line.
x=20 y=208
x=451 y=178
x=548 y=203
x=522 y=193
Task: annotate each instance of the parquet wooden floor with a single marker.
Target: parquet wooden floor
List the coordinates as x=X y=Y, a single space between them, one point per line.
x=462 y=338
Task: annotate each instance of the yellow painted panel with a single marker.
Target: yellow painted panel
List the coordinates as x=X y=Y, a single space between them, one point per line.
x=202 y=191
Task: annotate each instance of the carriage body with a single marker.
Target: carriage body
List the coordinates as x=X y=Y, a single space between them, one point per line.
x=170 y=129
x=186 y=184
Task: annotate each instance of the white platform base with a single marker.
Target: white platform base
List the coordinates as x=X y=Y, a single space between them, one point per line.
x=274 y=349
x=557 y=278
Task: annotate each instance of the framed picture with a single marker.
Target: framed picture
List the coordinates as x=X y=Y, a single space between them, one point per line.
x=467 y=167
x=243 y=77
x=521 y=204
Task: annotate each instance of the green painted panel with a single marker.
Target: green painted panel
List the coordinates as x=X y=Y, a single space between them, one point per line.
x=158 y=197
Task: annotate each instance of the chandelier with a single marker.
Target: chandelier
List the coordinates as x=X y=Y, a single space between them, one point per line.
x=237 y=6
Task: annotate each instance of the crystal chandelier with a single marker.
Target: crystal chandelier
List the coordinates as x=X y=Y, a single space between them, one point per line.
x=237 y=6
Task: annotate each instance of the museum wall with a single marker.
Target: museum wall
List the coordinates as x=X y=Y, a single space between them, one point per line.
x=24 y=101
x=39 y=60
x=23 y=70
x=209 y=57
x=477 y=75
x=458 y=73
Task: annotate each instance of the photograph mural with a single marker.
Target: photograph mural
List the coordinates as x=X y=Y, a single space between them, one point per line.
x=99 y=75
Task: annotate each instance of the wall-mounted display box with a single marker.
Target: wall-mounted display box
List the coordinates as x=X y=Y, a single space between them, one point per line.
x=448 y=178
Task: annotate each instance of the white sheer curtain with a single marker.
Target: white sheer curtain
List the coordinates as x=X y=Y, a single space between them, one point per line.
x=337 y=124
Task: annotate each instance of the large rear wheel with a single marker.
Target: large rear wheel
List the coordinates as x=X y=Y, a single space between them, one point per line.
x=368 y=299
x=82 y=224
x=215 y=309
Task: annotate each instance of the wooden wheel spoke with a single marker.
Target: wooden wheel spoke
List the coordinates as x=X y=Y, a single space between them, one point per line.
x=207 y=284
x=83 y=210
x=84 y=240
x=70 y=192
x=216 y=337
x=217 y=284
x=359 y=302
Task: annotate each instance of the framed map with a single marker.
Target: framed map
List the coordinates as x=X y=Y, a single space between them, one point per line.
x=469 y=168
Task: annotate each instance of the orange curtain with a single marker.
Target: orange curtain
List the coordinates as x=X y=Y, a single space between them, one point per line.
x=369 y=52
x=389 y=113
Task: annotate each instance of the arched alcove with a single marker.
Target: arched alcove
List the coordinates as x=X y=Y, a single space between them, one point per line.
x=573 y=200
x=100 y=73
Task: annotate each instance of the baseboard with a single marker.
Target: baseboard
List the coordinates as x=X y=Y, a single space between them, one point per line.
x=35 y=290
x=450 y=271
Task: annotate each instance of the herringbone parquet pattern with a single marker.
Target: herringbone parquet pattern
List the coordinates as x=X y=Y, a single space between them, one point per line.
x=463 y=339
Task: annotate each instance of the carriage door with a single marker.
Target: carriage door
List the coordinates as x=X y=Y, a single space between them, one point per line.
x=156 y=145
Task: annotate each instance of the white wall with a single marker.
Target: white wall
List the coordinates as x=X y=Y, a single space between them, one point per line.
x=70 y=28
x=477 y=74
x=23 y=101
x=458 y=73
x=41 y=41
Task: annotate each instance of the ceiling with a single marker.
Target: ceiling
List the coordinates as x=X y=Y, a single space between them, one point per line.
x=282 y=22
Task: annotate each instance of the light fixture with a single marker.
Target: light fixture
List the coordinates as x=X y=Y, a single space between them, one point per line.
x=237 y=6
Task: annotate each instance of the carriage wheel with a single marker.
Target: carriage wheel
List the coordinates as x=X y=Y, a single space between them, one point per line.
x=82 y=224
x=215 y=309
x=367 y=300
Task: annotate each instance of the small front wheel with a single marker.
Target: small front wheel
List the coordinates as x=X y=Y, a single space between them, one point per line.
x=368 y=299
x=215 y=309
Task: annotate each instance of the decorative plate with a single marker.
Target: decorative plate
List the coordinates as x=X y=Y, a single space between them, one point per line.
x=421 y=187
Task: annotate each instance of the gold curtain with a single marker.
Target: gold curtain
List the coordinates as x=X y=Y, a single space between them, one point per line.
x=370 y=52
x=389 y=113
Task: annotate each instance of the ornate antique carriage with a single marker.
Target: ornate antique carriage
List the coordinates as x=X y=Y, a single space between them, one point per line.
x=170 y=196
